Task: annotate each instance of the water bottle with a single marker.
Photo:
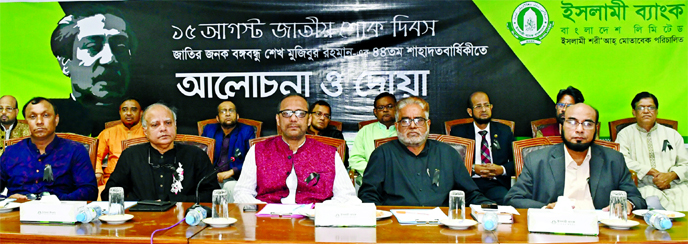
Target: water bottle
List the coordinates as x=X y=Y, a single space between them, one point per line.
x=87 y=214
x=195 y=216
x=490 y=220
x=657 y=220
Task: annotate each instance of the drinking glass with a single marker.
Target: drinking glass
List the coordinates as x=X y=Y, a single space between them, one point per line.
x=116 y=201
x=457 y=202
x=617 y=205
x=220 y=208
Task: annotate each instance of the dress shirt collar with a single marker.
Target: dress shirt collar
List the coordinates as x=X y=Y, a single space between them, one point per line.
x=297 y=149
x=384 y=127
x=136 y=127
x=422 y=153
x=642 y=130
x=477 y=135
x=569 y=160
x=54 y=144
x=156 y=153
x=8 y=130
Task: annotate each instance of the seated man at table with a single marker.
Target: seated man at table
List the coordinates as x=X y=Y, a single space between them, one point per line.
x=47 y=163
x=565 y=98
x=494 y=157
x=320 y=112
x=663 y=169
x=176 y=168
x=231 y=145
x=579 y=169
x=415 y=171
x=292 y=168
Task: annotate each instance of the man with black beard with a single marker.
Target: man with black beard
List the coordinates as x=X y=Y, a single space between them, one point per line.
x=577 y=169
x=494 y=160
x=565 y=98
x=231 y=145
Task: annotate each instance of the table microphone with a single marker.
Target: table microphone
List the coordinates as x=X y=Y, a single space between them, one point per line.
x=198 y=200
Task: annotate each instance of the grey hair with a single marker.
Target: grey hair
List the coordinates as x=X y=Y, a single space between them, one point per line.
x=144 y=123
x=412 y=100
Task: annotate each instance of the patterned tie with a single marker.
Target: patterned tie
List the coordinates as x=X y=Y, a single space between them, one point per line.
x=484 y=148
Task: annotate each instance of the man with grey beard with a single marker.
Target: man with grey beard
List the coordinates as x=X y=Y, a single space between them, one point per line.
x=415 y=171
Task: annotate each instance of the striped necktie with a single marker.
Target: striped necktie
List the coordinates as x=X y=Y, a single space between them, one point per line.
x=484 y=148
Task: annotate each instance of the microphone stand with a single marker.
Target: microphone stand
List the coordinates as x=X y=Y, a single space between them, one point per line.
x=198 y=200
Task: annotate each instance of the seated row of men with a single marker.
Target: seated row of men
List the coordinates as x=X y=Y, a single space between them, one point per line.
x=409 y=171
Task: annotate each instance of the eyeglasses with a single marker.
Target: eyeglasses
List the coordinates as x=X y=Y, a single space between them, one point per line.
x=573 y=123
x=646 y=108
x=288 y=113
x=481 y=106
x=8 y=109
x=407 y=121
x=227 y=111
x=563 y=105
x=382 y=107
x=319 y=114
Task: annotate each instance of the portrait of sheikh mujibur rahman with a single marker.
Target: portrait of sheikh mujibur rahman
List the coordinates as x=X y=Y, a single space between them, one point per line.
x=94 y=46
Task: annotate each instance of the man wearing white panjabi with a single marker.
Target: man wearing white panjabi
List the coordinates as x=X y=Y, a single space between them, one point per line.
x=657 y=154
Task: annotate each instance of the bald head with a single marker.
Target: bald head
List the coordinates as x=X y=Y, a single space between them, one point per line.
x=582 y=108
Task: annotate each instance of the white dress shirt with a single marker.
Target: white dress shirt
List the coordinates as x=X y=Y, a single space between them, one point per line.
x=478 y=147
x=576 y=183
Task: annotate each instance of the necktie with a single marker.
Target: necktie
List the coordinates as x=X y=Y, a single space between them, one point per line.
x=484 y=148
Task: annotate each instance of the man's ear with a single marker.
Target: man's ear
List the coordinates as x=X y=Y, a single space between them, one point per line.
x=470 y=112
x=64 y=65
x=57 y=120
x=633 y=112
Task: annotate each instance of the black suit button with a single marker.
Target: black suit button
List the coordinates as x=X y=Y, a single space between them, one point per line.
x=288 y=157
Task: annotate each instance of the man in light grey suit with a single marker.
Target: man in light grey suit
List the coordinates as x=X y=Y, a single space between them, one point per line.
x=578 y=169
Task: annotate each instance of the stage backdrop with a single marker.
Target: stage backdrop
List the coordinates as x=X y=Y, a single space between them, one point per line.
x=192 y=55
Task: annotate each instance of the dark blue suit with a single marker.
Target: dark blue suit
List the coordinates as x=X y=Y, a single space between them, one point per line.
x=502 y=154
x=238 y=144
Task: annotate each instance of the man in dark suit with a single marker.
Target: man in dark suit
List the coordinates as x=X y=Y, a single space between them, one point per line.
x=494 y=161
x=578 y=169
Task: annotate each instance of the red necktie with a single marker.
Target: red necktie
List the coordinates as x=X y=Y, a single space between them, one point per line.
x=484 y=148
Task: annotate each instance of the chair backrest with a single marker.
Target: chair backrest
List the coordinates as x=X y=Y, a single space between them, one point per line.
x=339 y=144
x=336 y=124
x=616 y=125
x=449 y=124
x=204 y=143
x=112 y=123
x=90 y=143
x=465 y=147
x=364 y=123
x=523 y=147
x=257 y=125
x=538 y=125
x=13 y=141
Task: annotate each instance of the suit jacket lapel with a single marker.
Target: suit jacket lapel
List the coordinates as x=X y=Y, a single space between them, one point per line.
x=557 y=169
x=596 y=164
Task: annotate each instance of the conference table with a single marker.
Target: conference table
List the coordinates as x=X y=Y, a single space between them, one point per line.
x=250 y=228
